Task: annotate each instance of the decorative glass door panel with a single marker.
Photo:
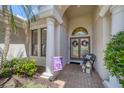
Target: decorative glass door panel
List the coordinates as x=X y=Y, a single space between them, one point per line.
x=78 y=47
x=84 y=46
x=74 y=48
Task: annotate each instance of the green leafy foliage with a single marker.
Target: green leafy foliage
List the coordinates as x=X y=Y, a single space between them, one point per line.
x=114 y=55
x=25 y=67
x=5 y=72
x=122 y=82
x=22 y=66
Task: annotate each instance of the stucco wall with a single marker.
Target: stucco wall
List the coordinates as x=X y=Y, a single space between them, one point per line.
x=64 y=44
x=81 y=21
x=18 y=43
x=98 y=46
x=117 y=19
x=101 y=35
x=61 y=39
x=40 y=61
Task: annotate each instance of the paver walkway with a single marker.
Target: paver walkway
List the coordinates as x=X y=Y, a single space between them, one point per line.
x=73 y=77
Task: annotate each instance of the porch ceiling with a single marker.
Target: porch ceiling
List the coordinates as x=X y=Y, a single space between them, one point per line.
x=79 y=10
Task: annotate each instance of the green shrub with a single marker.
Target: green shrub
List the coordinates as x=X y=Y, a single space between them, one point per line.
x=5 y=72
x=11 y=65
x=26 y=67
x=22 y=66
x=114 y=55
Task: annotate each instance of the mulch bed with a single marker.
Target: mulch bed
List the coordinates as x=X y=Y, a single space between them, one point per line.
x=17 y=82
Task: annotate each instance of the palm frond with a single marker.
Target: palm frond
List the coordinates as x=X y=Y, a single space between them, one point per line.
x=12 y=20
x=29 y=13
x=33 y=17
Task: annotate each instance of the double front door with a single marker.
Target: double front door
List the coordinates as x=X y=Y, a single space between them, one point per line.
x=78 y=47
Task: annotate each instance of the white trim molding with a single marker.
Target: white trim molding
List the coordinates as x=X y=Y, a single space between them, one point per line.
x=51 y=11
x=117 y=18
x=104 y=10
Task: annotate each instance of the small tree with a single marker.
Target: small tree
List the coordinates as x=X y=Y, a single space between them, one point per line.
x=9 y=19
x=114 y=56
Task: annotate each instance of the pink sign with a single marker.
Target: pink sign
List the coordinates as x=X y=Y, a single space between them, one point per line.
x=57 y=63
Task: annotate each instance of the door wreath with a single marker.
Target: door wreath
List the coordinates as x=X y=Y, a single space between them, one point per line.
x=75 y=43
x=84 y=43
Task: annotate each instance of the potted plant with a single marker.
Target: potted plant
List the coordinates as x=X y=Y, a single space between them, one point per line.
x=114 y=57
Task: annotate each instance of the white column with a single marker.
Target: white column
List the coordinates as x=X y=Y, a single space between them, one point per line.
x=106 y=30
x=117 y=19
x=50 y=52
x=106 y=34
x=58 y=38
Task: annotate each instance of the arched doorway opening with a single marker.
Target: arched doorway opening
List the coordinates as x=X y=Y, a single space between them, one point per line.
x=98 y=28
x=80 y=29
x=79 y=43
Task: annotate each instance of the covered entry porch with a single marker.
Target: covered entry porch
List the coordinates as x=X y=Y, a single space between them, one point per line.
x=99 y=22
x=73 y=77
x=60 y=25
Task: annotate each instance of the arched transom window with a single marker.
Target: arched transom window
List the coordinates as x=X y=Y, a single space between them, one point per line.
x=80 y=31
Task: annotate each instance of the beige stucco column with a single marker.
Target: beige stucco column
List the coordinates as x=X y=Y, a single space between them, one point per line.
x=117 y=19
x=106 y=35
x=58 y=40
x=106 y=29
x=50 y=46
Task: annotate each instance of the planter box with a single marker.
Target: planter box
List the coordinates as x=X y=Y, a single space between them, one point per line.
x=113 y=82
